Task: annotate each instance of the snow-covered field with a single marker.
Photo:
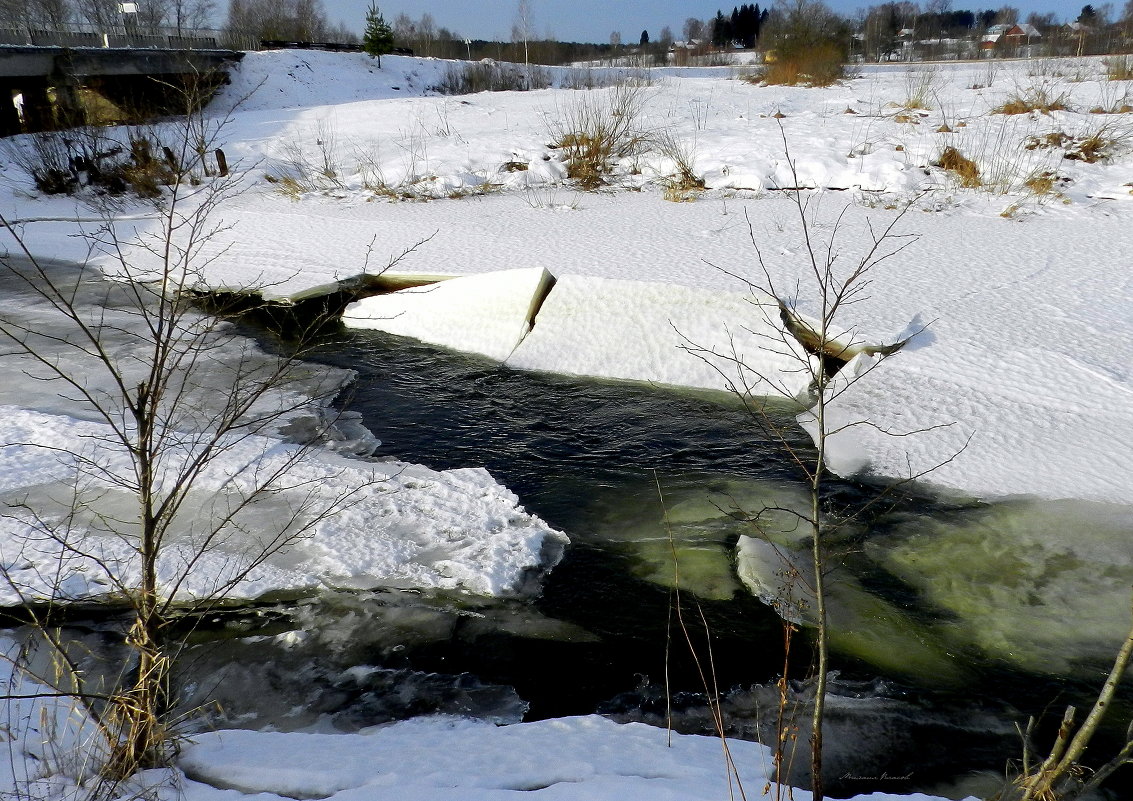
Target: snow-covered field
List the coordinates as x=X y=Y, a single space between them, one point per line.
x=1023 y=373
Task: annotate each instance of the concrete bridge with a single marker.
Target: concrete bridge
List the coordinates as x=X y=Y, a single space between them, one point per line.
x=45 y=88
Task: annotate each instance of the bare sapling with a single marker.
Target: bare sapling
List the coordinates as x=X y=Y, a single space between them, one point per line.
x=819 y=347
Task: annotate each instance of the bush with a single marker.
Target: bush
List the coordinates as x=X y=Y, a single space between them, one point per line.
x=820 y=65
x=597 y=129
x=808 y=43
x=1035 y=98
x=65 y=162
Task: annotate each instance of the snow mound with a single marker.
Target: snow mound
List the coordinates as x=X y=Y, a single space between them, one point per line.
x=430 y=758
x=445 y=759
x=284 y=79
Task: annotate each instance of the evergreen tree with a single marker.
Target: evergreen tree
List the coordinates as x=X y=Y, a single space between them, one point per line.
x=378 y=38
x=644 y=38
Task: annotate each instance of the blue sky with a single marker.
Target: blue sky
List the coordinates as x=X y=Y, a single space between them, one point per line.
x=593 y=20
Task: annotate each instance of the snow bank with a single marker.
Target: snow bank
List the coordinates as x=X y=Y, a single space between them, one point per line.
x=386 y=524
x=446 y=759
x=630 y=330
x=50 y=742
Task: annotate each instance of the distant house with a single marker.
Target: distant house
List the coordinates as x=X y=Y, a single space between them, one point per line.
x=1023 y=30
x=1020 y=37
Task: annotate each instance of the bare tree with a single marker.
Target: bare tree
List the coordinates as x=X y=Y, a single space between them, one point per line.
x=36 y=13
x=290 y=20
x=819 y=346
x=521 y=30
x=189 y=14
x=174 y=397
x=102 y=13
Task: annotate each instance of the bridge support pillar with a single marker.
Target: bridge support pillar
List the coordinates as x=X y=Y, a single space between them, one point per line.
x=9 y=117
x=37 y=108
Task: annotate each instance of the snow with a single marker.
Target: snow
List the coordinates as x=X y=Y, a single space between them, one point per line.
x=1020 y=385
x=386 y=524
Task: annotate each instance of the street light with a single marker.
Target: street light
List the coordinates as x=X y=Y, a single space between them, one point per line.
x=129 y=12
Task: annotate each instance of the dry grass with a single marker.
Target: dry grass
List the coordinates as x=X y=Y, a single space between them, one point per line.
x=1035 y=98
x=1119 y=68
x=1124 y=108
x=466 y=79
x=921 y=87
x=684 y=184
x=1093 y=148
x=1042 y=183
x=1047 y=141
x=965 y=170
x=1107 y=140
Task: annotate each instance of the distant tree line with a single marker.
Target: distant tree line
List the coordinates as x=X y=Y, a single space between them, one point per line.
x=741 y=28
x=877 y=29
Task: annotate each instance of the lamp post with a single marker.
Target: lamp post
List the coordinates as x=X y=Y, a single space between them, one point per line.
x=129 y=12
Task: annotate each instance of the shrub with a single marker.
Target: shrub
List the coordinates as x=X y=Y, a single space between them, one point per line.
x=597 y=129
x=820 y=65
x=65 y=162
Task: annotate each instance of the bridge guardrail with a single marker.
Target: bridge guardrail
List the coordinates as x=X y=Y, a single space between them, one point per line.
x=207 y=39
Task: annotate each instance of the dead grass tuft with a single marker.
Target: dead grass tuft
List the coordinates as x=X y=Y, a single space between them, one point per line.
x=961 y=166
x=1035 y=98
x=1047 y=141
x=684 y=184
x=1109 y=139
x=1042 y=183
